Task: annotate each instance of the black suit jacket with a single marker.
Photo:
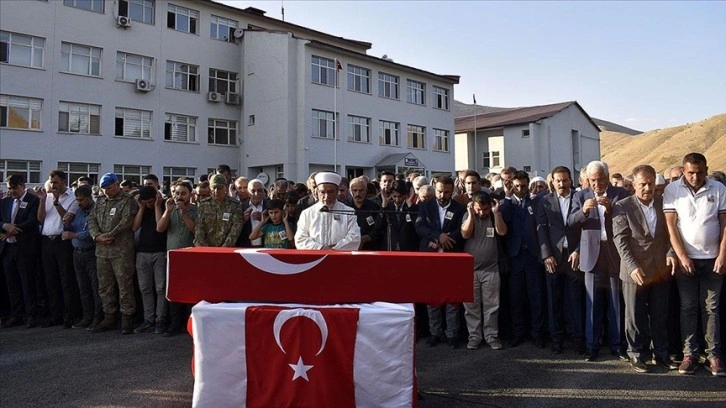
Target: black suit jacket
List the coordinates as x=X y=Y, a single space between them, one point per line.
x=26 y=219
x=243 y=241
x=552 y=229
x=403 y=228
x=428 y=225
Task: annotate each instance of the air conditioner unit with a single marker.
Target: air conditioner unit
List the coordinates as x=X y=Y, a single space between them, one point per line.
x=123 y=21
x=232 y=98
x=238 y=34
x=143 y=85
x=214 y=97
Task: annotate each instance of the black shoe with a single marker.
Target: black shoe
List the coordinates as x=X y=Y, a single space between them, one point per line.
x=638 y=366
x=144 y=327
x=557 y=348
x=67 y=324
x=666 y=363
x=51 y=323
x=623 y=356
x=31 y=323
x=11 y=322
x=515 y=342
x=432 y=341
x=581 y=350
x=540 y=343
x=590 y=355
x=453 y=342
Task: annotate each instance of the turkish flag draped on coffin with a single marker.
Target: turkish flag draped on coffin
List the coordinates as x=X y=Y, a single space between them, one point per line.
x=295 y=355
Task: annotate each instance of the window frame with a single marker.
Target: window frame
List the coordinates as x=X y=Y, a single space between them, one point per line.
x=414 y=92
x=358 y=79
x=174 y=121
x=77 y=4
x=30 y=169
x=383 y=126
x=133 y=6
x=34 y=43
x=183 y=12
x=441 y=97
x=360 y=125
x=172 y=173
x=6 y=107
x=124 y=172
x=386 y=80
x=74 y=173
x=317 y=121
x=215 y=80
x=67 y=66
x=419 y=135
x=122 y=63
x=145 y=123
x=317 y=68
x=186 y=77
x=212 y=127
x=442 y=141
x=217 y=22
x=77 y=108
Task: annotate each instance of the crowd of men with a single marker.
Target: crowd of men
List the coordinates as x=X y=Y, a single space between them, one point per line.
x=632 y=264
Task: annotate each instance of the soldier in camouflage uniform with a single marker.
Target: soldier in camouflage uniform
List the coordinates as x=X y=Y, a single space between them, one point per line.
x=110 y=226
x=219 y=217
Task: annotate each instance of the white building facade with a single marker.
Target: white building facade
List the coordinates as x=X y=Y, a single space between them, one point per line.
x=175 y=88
x=533 y=139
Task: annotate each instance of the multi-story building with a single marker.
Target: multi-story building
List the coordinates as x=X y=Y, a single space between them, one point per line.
x=175 y=88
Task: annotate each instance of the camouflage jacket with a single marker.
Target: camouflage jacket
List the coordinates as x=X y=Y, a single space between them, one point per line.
x=218 y=223
x=113 y=217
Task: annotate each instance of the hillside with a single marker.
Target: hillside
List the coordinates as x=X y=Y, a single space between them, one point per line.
x=665 y=148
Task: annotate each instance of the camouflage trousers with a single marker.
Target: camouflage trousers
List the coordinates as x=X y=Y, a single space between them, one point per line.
x=116 y=284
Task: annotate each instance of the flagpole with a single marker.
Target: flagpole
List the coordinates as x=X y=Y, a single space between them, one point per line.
x=335 y=119
x=476 y=152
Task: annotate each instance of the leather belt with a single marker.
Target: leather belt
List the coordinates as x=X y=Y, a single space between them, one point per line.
x=52 y=237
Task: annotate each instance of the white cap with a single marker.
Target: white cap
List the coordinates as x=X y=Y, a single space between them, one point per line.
x=659 y=180
x=536 y=179
x=327 y=177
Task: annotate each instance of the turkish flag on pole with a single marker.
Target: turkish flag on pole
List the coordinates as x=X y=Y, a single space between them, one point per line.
x=300 y=357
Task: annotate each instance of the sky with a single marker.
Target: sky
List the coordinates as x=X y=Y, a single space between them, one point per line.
x=645 y=65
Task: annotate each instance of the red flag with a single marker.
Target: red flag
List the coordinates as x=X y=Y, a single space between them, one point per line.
x=338 y=67
x=300 y=357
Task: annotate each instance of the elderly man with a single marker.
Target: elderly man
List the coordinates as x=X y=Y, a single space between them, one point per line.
x=252 y=213
x=641 y=236
x=219 y=218
x=592 y=214
x=110 y=226
x=368 y=214
x=327 y=224
x=695 y=210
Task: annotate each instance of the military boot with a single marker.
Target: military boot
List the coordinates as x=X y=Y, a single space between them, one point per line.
x=108 y=322
x=127 y=324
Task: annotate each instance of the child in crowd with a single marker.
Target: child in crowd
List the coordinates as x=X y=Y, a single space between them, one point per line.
x=277 y=233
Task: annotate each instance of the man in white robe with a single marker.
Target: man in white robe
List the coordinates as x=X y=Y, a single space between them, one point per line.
x=328 y=224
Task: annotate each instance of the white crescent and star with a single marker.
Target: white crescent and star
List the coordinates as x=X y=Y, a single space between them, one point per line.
x=300 y=370
x=268 y=263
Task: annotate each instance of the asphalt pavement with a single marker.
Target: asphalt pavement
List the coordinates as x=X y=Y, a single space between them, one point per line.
x=56 y=367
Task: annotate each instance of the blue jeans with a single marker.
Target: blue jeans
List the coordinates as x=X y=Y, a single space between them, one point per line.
x=701 y=291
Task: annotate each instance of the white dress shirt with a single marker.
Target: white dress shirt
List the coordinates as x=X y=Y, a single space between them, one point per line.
x=650 y=217
x=53 y=223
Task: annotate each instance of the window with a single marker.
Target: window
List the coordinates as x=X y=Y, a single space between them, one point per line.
x=360 y=129
x=182 y=19
x=416 y=91
x=280 y=172
x=19 y=49
x=131 y=172
x=323 y=71
x=172 y=174
x=222 y=132
x=496 y=160
x=76 y=170
x=79 y=118
x=359 y=79
x=486 y=160
x=130 y=67
x=387 y=85
x=441 y=140
x=251 y=120
x=222 y=81
x=441 y=98
x=80 y=59
x=137 y=10
x=525 y=132
x=180 y=128
x=222 y=29
x=527 y=168
x=389 y=133
x=575 y=135
x=416 y=137
x=90 y=5
x=184 y=77
x=29 y=169
x=17 y=112
x=133 y=123
x=323 y=124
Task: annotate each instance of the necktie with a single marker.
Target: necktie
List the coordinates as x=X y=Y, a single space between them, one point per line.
x=14 y=213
